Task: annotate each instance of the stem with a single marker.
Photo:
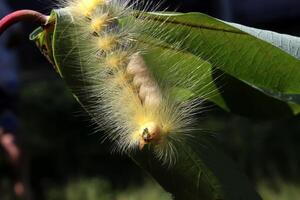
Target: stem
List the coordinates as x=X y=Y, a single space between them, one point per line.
x=22 y=15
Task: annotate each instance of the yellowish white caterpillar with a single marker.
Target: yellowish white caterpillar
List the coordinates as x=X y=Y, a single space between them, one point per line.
x=130 y=102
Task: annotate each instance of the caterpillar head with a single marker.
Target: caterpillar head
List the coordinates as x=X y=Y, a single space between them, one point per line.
x=149 y=133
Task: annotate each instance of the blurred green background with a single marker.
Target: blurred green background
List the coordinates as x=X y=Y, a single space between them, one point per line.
x=65 y=159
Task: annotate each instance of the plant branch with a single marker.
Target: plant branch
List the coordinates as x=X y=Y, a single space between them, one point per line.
x=22 y=15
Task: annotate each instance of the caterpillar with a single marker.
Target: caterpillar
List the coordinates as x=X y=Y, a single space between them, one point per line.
x=135 y=106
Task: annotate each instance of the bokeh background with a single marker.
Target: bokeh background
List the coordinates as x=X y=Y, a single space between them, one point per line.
x=63 y=159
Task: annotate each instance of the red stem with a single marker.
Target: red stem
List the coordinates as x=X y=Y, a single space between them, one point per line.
x=22 y=15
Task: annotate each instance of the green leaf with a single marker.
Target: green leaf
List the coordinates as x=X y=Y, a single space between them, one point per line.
x=269 y=70
x=201 y=170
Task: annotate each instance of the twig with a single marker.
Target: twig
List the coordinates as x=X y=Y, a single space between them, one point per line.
x=22 y=15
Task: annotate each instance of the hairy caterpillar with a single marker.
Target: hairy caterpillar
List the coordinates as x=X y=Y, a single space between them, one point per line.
x=130 y=100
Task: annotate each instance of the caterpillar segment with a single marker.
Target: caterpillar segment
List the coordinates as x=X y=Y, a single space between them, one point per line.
x=87 y=7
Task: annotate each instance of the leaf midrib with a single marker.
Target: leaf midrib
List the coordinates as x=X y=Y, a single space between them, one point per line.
x=192 y=25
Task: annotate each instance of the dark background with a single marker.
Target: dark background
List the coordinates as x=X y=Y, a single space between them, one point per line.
x=61 y=152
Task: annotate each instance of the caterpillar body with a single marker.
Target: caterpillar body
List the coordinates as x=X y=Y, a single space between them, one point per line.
x=130 y=101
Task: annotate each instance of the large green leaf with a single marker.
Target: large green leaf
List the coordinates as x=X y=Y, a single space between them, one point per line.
x=240 y=54
x=201 y=171
x=243 y=57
